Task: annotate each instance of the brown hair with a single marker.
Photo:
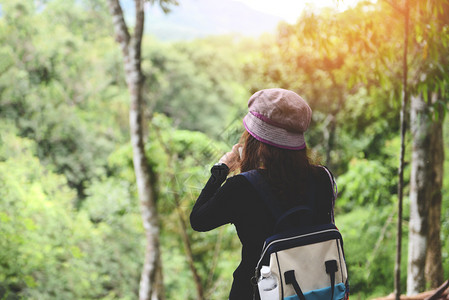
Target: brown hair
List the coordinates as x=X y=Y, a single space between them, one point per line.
x=286 y=170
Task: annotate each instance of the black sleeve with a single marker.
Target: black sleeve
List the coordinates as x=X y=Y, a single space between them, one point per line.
x=215 y=205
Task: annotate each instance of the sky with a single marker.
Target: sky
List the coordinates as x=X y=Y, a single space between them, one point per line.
x=290 y=10
x=198 y=18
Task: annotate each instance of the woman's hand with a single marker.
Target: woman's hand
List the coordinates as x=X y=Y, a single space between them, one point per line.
x=232 y=158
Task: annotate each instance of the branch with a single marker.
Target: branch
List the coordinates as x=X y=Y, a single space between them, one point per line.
x=138 y=28
x=395 y=6
x=182 y=221
x=215 y=258
x=380 y=239
x=121 y=30
x=439 y=291
x=164 y=4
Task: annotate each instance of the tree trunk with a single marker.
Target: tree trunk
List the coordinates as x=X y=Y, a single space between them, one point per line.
x=189 y=253
x=434 y=266
x=425 y=261
x=421 y=185
x=173 y=158
x=405 y=96
x=185 y=235
x=151 y=286
x=159 y=282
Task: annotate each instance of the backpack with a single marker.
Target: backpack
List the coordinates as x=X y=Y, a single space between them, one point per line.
x=308 y=261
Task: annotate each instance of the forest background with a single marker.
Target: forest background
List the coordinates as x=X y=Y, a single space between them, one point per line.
x=70 y=225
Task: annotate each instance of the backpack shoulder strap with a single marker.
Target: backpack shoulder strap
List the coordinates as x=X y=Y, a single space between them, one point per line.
x=266 y=193
x=264 y=190
x=334 y=191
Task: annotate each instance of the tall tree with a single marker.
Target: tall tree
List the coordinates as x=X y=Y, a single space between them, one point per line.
x=173 y=161
x=427 y=115
x=434 y=267
x=405 y=96
x=151 y=284
x=425 y=195
x=439 y=99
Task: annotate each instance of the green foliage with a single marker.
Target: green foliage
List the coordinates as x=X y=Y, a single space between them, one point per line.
x=192 y=83
x=366 y=210
x=366 y=183
x=179 y=157
x=69 y=213
x=369 y=234
x=48 y=84
x=50 y=250
x=34 y=227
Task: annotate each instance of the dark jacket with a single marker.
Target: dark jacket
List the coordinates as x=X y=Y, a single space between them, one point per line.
x=237 y=202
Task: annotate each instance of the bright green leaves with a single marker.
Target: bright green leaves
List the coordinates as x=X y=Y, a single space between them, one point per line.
x=69 y=213
x=367 y=184
x=32 y=223
x=48 y=248
x=194 y=84
x=107 y=199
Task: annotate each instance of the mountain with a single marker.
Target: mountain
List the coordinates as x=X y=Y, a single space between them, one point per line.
x=199 y=18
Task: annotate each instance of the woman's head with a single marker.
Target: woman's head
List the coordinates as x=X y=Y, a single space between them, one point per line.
x=274 y=139
x=279 y=118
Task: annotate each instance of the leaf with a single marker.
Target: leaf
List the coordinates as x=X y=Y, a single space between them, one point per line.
x=76 y=252
x=436 y=114
x=4 y=218
x=443 y=88
x=425 y=51
x=424 y=92
x=29 y=281
x=440 y=109
x=29 y=224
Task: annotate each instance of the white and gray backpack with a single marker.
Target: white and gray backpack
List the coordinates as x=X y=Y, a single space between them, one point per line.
x=308 y=261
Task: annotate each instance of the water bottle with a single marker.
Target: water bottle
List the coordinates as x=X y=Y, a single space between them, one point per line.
x=268 y=285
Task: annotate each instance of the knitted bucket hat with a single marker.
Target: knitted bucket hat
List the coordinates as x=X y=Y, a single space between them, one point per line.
x=279 y=118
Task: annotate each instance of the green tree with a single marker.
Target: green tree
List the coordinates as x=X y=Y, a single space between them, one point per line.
x=151 y=284
x=429 y=101
x=194 y=83
x=50 y=250
x=49 y=89
x=354 y=56
x=319 y=57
